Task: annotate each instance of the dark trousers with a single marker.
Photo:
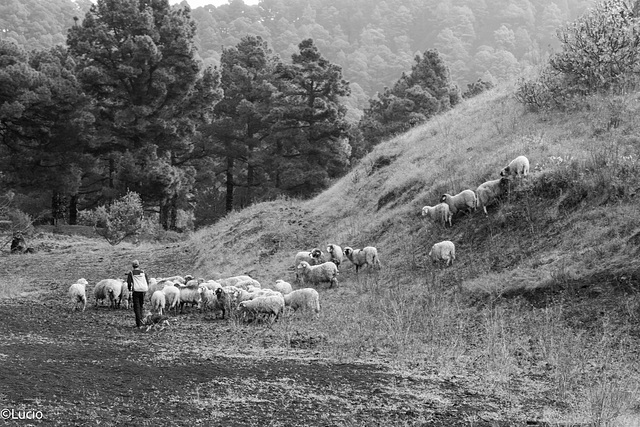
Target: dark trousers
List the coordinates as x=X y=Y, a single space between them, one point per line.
x=138 y=302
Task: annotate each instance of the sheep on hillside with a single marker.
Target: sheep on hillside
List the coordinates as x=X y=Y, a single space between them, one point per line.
x=241 y=281
x=282 y=287
x=438 y=213
x=518 y=167
x=226 y=299
x=305 y=299
x=335 y=254
x=443 y=251
x=316 y=274
x=361 y=257
x=268 y=307
x=78 y=293
x=489 y=192
x=158 y=302
x=313 y=257
x=99 y=292
x=464 y=201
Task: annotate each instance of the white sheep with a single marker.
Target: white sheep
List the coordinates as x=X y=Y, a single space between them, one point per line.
x=208 y=299
x=172 y=297
x=265 y=306
x=305 y=299
x=465 y=200
x=335 y=254
x=173 y=279
x=313 y=257
x=443 y=251
x=518 y=167
x=245 y=295
x=316 y=274
x=438 y=213
x=191 y=294
x=109 y=288
x=158 y=302
x=489 y=192
x=99 y=292
x=125 y=295
x=78 y=293
x=242 y=280
x=361 y=257
x=113 y=289
x=282 y=287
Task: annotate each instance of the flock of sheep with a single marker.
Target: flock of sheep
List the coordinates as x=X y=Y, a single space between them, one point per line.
x=244 y=296
x=469 y=201
x=241 y=296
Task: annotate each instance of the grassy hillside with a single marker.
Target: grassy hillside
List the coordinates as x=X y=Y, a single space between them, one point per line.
x=542 y=303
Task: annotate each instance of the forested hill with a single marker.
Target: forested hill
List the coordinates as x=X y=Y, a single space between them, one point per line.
x=374 y=41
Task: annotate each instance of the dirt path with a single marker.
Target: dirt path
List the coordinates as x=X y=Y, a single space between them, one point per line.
x=74 y=368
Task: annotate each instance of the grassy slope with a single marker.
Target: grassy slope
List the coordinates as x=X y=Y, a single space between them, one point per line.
x=542 y=302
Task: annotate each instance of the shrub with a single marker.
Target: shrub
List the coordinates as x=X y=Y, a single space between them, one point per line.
x=122 y=219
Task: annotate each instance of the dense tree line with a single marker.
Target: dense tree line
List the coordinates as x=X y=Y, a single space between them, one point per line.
x=127 y=106
x=212 y=109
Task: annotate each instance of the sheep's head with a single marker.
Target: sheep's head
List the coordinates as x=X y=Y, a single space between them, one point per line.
x=304 y=266
x=83 y=281
x=425 y=212
x=348 y=251
x=443 y=198
x=316 y=253
x=505 y=171
x=219 y=293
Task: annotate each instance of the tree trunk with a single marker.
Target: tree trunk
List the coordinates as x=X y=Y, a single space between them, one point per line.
x=164 y=214
x=73 y=210
x=173 y=213
x=230 y=184
x=58 y=207
x=250 y=178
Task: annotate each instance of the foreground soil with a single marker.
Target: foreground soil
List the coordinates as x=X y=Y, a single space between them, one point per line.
x=95 y=368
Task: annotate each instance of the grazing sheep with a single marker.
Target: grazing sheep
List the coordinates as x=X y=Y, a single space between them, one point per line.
x=239 y=281
x=108 y=288
x=316 y=274
x=158 y=302
x=191 y=294
x=305 y=299
x=174 y=279
x=208 y=299
x=518 y=167
x=313 y=257
x=282 y=287
x=335 y=254
x=126 y=296
x=464 y=201
x=244 y=295
x=361 y=257
x=78 y=293
x=489 y=192
x=172 y=297
x=443 y=251
x=113 y=289
x=99 y=292
x=265 y=306
x=438 y=213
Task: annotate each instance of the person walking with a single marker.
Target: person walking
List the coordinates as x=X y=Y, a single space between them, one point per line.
x=138 y=284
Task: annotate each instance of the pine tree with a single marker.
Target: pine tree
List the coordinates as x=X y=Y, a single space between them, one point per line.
x=138 y=61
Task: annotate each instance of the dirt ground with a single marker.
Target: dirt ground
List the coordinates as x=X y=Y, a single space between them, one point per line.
x=95 y=368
